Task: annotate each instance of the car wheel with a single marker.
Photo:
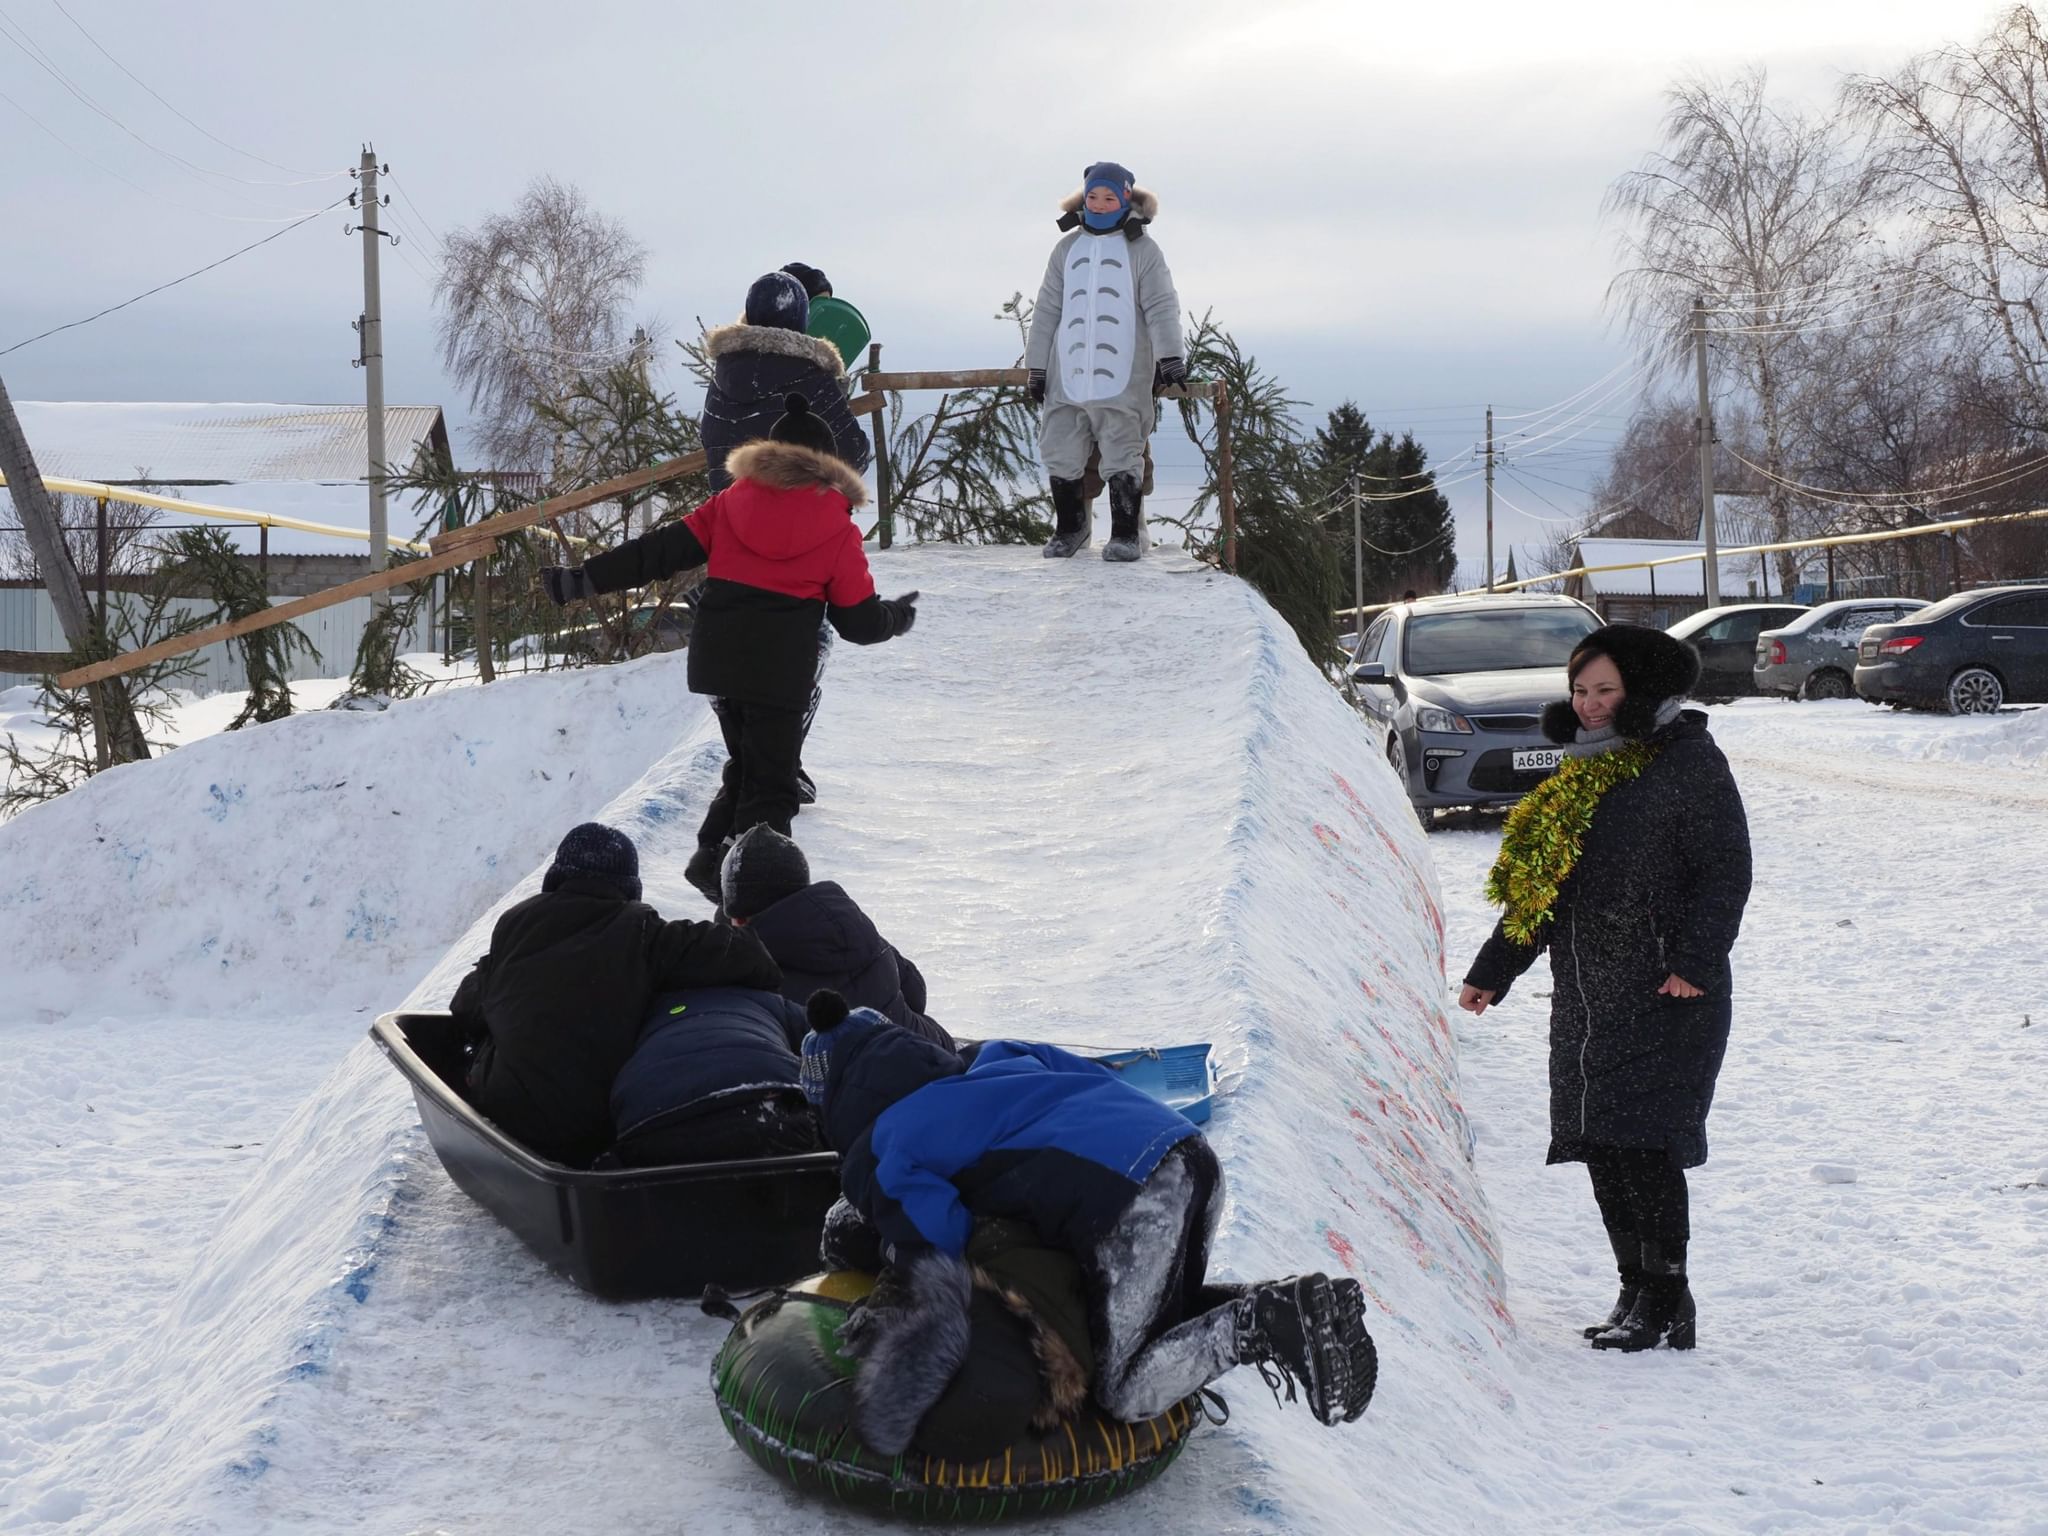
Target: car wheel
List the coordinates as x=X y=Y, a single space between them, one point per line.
x=1826 y=685
x=1975 y=691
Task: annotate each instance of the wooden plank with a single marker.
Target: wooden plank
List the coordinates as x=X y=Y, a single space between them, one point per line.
x=478 y=537
x=378 y=581
x=872 y=404
x=991 y=378
x=36 y=663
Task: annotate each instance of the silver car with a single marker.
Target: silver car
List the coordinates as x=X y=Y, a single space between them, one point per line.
x=1814 y=657
x=1456 y=686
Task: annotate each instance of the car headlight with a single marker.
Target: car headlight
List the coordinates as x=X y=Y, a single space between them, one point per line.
x=1432 y=719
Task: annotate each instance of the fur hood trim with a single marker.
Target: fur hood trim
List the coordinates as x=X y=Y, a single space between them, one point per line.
x=1144 y=205
x=1062 y=1377
x=741 y=337
x=793 y=467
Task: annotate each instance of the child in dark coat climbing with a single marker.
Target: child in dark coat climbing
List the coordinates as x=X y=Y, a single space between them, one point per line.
x=1097 y=1170
x=757 y=364
x=818 y=935
x=555 y=1004
x=783 y=554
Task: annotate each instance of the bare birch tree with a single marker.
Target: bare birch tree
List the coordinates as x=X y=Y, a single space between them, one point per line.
x=1960 y=148
x=532 y=302
x=1759 y=208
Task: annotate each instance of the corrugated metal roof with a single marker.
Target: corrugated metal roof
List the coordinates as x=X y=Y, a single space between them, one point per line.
x=1685 y=580
x=169 y=442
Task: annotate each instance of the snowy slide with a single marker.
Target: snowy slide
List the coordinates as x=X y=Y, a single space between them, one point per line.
x=1099 y=806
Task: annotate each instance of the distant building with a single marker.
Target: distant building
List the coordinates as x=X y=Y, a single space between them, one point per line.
x=305 y=462
x=1660 y=595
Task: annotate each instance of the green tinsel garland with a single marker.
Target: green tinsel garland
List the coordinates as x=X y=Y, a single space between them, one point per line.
x=1544 y=833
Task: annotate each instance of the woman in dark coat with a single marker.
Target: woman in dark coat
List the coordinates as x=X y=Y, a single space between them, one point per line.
x=1639 y=915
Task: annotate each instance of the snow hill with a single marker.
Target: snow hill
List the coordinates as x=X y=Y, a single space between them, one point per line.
x=1100 y=806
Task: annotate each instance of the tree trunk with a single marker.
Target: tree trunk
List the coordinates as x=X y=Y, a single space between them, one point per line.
x=119 y=735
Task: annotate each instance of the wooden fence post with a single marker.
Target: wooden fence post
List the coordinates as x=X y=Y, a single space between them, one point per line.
x=885 y=525
x=480 y=616
x=1226 y=486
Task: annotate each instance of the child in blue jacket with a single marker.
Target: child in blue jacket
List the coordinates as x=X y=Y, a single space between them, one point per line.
x=1126 y=1186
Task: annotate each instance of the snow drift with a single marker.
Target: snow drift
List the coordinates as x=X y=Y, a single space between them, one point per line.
x=1101 y=806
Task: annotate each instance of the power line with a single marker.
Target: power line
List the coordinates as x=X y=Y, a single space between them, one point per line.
x=311 y=176
x=174 y=282
x=17 y=35
x=1958 y=490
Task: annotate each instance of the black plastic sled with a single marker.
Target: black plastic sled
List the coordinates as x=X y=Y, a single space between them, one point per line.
x=623 y=1234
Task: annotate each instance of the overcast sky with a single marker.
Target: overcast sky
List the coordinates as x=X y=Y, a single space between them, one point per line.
x=1400 y=210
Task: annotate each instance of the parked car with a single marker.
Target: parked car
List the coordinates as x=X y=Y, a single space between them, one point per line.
x=1725 y=637
x=1970 y=654
x=1814 y=657
x=1456 y=685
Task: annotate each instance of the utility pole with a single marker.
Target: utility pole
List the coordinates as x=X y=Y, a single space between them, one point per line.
x=1489 y=498
x=117 y=734
x=371 y=327
x=641 y=359
x=1357 y=557
x=1710 y=557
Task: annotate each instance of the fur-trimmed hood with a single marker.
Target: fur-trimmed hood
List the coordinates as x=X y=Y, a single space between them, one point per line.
x=922 y=1325
x=741 y=337
x=1144 y=205
x=792 y=467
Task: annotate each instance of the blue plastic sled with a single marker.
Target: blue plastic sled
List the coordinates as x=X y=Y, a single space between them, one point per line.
x=1183 y=1077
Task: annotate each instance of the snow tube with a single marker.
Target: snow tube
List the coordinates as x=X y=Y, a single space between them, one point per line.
x=784 y=1391
x=838 y=322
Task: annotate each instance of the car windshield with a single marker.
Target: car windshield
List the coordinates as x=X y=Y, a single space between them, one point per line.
x=1507 y=640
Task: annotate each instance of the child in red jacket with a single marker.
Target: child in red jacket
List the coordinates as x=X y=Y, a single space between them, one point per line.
x=783 y=552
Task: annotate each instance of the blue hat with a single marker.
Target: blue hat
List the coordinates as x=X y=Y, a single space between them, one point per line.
x=778 y=300
x=594 y=851
x=1107 y=173
x=856 y=1064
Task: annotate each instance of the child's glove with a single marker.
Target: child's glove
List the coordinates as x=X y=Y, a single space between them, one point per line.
x=1034 y=387
x=1169 y=373
x=564 y=584
x=902 y=613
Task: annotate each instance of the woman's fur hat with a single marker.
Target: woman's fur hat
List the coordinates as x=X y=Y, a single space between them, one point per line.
x=1654 y=667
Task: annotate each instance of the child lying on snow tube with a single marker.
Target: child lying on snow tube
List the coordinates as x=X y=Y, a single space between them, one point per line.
x=1123 y=1186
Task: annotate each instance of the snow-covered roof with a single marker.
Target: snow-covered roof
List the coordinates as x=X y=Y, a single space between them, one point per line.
x=177 y=441
x=340 y=504
x=1683 y=580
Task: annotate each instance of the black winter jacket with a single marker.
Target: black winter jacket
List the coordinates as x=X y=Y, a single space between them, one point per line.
x=702 y=1047
x=822 y=939
x=1659 y=889
x=755 y=369
x=557 y=1002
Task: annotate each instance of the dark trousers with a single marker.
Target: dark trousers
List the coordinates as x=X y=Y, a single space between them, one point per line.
x=763 y=746
x=1641 y=1191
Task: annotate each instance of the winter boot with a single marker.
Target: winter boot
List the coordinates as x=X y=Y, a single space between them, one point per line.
x=1071 y=524
x=1126 y=519
x=1628 y=1263
x=1307 y=1331
x=1663 y=1312
x=702 y=870
x=806 y=788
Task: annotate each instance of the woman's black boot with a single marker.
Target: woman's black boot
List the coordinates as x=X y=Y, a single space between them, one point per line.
x=1628 y=1263
x=1664 y=1312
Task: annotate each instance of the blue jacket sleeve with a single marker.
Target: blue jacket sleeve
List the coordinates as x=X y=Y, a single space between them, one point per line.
x=920 y=1204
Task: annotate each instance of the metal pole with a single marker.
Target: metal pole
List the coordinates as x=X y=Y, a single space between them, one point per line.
x=1357 y=557
x=885 y=528
x=373 y=367
x=1831 y=573
x=263 y=556
x=1489 y=498
x=100 y=535
x=1710 y=561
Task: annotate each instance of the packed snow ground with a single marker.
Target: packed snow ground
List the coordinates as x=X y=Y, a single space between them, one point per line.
x=1088 y=835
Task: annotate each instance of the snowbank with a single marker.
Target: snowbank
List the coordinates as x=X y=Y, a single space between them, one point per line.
x=2018 y=740
x=330 y=857
x=1099 y=805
